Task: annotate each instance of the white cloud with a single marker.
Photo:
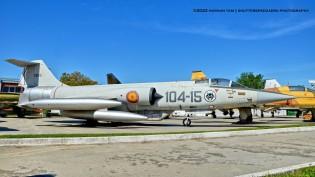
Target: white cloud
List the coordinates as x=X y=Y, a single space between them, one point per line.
x=237 y=34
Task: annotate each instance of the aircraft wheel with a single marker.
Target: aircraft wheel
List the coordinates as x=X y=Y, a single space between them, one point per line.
x=3 y=114
x=313 y=115
x=91 y=122
x=231 y=113
x=298 y=113
x=262 y=114
x=187 y=122
x=272 y=114
x=20 y=112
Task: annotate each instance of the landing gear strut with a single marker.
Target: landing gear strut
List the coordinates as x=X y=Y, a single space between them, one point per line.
x=187 y=122
x=313 y=115
x=231 y=113
x=298 y=113
x=213 y=114
x=246 y=116
x=262 y=114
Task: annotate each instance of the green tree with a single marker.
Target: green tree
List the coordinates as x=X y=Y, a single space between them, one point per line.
x=76 y=78
x=251 y=80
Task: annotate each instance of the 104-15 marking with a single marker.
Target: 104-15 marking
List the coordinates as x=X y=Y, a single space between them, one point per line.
x=193 y=96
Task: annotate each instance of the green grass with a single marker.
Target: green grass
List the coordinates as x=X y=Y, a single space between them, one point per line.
x=303 y=172
x=66 y=135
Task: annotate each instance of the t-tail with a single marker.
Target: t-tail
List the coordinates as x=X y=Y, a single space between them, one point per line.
x=271 y=83
x=36 y=73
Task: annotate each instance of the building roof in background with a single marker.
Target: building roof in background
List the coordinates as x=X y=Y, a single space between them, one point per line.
x=11 y=80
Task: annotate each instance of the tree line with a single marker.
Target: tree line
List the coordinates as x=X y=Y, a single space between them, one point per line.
x=247 y=79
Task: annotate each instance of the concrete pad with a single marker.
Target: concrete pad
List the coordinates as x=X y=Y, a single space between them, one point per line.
x=220 y=157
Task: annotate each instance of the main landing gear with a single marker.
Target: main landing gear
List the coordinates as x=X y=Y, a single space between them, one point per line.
x=229 y=112
x=91 y=122
x=213 y=114
x=187 y=122
x=313 y=115
x=246 y=116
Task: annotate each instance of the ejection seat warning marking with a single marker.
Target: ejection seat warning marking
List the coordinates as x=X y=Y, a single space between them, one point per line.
x=193 y=96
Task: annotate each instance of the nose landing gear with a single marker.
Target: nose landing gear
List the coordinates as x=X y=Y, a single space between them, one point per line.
x=187 y=122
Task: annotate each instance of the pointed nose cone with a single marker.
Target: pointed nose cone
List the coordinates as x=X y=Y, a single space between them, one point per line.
x=267 y=97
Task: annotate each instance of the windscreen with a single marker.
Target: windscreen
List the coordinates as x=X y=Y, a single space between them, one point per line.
x=220 y=82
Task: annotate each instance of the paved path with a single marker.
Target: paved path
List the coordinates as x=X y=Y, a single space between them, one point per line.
x=207 y=157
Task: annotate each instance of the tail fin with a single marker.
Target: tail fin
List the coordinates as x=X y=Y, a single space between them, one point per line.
x=112 y=79
x=36 y=73
x=272 y=83
x=312 y=82
x=198 y=75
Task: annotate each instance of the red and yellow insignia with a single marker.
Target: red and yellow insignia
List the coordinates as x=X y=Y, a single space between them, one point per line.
x=132 y=97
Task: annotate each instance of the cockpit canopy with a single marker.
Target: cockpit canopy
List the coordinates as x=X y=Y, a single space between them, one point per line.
x=300 y=88
x=220 y=82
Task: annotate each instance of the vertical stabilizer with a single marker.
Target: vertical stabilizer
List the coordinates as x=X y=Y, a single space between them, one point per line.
x=112 y=79
x=198 y=75
x=36 y=73
x=272 y=83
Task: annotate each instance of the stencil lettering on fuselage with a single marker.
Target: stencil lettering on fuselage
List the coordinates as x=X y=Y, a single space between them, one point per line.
x=192 y=96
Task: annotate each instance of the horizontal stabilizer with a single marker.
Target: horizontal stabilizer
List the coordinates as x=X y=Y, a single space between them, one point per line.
x=21 y=63
x=36 y=73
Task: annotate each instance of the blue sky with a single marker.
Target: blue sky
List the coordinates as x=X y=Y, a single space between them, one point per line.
x=143 y=41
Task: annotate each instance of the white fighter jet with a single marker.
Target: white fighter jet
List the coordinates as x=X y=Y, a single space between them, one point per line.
x=136 y=101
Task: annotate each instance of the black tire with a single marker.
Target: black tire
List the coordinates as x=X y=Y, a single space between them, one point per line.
x=313 y=116
x=298 y=113
x=3 y=114
x=20 y=112
x=91 y=122
x=231 y=113
x=186 y=122
x=250 y=119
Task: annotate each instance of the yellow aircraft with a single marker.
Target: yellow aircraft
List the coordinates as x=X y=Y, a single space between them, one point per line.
x=304 y=101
